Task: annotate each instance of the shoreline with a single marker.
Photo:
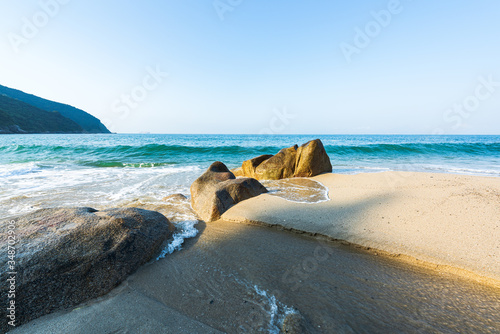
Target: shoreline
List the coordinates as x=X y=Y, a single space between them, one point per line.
x=230 y=277
x=432 y=267
x=404 y=215
x=237 y=274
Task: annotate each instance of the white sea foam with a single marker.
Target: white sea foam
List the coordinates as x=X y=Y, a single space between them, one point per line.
x=31 y=186
x=277 y=311
x=267 y=302
x=185 y=230
x=492 y=170
x=461 y=170
x=298 y=190
x=14 y=170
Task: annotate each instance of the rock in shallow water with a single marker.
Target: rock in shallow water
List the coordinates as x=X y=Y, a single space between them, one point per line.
x=308 y=160
x=174 y=198
x=216 y=190
x=65 y=256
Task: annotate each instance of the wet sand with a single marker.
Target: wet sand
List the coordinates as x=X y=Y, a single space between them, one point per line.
x=217 y=283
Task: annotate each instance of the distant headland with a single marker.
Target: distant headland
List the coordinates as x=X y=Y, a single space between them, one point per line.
x=24 y=113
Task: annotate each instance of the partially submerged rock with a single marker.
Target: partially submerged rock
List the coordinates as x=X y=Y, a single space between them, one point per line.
x=65 y=256
x=174 y=198
x=310 y=159
x=216 y=190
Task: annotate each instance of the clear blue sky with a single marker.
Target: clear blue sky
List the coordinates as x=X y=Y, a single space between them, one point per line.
x=265 y=57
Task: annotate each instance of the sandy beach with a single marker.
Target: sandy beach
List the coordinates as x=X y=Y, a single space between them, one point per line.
x=449 y=222
x=236 y=277
x=239 y=278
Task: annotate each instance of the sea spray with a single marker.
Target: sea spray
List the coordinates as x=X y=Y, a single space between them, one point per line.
x=185 y=230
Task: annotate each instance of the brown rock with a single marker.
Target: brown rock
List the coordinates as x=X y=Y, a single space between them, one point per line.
x=308 y=160
x=216 y=190
x=237 y=172
x=279 y=166
x=248 y=167
x=65 y=256
x=203 y=190
x=174 y=198
x=312 y=160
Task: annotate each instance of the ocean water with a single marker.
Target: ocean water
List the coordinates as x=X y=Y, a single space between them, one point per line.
x=120 y=170
x=100 y=171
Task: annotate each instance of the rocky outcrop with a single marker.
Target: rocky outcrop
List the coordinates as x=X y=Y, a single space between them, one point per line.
x=37 y=115
x=279 y=166
x=19 y=117
x=308 y=160
x=65 y=256
x=312 y=160
x=237 y=171
x=248 y=167
x=216 y=190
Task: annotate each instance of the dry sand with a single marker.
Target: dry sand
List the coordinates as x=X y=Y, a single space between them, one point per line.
x=452 y=221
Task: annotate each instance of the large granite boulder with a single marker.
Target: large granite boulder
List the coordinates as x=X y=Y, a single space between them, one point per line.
x=279 y=166
x=237 y=171
x=65 y=256
x=216 y=190
x=248 y=167
x=308 y=160
x=312 y=160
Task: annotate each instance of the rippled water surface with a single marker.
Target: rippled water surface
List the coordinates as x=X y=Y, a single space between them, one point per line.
x=38 y=171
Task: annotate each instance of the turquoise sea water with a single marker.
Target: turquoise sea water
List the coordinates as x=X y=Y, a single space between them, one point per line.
x=104 y=170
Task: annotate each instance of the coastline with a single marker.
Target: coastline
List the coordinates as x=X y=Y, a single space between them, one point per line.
x=443 y=221
x=342 y=260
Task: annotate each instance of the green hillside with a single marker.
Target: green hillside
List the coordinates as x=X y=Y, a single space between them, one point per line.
x=19 y=117
x=87 y=122
x=5 y=119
